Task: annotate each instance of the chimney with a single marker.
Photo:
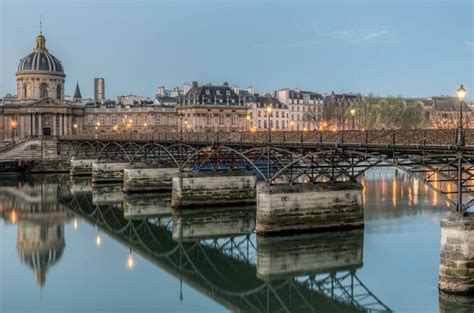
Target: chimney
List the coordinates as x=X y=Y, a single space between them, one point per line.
x=194 y=85
x=225 y=84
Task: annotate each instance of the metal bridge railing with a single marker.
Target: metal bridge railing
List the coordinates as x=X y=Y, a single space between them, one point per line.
x=442 y=137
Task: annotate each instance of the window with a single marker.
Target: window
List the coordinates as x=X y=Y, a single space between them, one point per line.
x=43 y=90
x=228 y=92
x=157 y=119
x=264 y=124
x=208 y=92
x=114 y=120
x=221 y=119
x=277 y=124
x=58 y=92
x=233 y=118
x=277 y=114
x=259 y=124
x=24 y=91
x=283 y=124
x=259 y=113
x=209 y=118
x=102 y=120
x=218 y=92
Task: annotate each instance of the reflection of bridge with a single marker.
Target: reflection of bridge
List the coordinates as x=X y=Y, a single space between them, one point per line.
x=431 y=155
x=224 y=267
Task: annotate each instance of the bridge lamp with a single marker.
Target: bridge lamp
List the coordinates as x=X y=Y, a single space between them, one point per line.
x=324 y=125
x=305 y=129
x=460 y=133
x=145 y=124
x=353 y=113
x=461 y=93
x=75 y=126
x=129 y=125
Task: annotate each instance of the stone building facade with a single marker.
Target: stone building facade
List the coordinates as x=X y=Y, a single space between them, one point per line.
x=211 y=108
x=305 y=108
x=39 y=109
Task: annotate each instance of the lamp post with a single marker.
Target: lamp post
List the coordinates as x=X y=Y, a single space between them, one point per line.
x=75 y=128
x=247 y=118
x=13 y=125
x=353 y=113
x=292 y=125
x=181 y=125
x=269 y=112
x=460 y=138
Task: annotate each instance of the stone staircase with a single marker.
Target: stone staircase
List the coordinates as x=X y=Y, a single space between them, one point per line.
x=33 y=149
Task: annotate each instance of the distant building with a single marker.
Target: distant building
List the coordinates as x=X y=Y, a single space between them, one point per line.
x=335 y=109
x=99 y=89
x=443 y=112
x=39 y=109
x=211 y=108
x=260 y=119
x=305 y=107
x=133 y=100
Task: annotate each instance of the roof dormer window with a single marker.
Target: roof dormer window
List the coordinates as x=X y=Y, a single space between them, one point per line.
x=228 y=92
x=208 y=92
x=218 y=92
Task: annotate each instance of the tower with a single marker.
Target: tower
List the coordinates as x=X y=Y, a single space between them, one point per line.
x=99 y=89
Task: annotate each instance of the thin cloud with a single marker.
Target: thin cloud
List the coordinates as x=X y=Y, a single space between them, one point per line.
x=354 y=35
x=469 y=43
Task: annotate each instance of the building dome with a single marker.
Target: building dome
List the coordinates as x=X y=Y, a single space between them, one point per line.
x=40 y=59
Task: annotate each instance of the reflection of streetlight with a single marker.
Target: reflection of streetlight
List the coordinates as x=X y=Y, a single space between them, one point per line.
x=461 y=94
x=75 y=224
x=13 y=217
x=353 y=113
x=130 y=261
x=98 y=240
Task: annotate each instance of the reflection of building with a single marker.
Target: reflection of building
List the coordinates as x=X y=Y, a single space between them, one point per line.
x=40 y=221
x=39 y=108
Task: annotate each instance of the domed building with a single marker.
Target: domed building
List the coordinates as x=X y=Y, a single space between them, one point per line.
x=39 y=109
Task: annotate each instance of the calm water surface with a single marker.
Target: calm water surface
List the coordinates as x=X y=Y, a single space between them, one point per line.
x=69 y=247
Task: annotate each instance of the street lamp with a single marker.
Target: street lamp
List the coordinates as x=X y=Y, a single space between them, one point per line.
x=353 y=113
x=461 y=94
x=13 y=125
x=269 y=112
x=247 y=118
x=292 y=125
x=181 y=124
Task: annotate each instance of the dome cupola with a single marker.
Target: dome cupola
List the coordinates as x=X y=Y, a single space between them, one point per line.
x=40 y=74
x=40 y=59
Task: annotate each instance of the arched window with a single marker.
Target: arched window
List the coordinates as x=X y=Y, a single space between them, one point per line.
x=24 y=91
x=43 y=90
x=58 y=92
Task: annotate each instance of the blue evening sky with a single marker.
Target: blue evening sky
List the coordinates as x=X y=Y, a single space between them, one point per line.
x=414 y=48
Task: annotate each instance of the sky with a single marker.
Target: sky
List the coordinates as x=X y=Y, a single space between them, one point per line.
x=413 y=48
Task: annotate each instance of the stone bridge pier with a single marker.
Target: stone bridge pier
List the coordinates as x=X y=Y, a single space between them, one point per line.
x=108 y=172
x=211 y=188
x=456 y=269
x=307 y=207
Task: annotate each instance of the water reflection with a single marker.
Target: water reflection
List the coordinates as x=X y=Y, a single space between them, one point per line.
x=40 y=219
x=216 y=252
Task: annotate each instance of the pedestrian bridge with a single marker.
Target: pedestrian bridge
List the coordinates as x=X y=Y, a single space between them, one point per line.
x=434 y=156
